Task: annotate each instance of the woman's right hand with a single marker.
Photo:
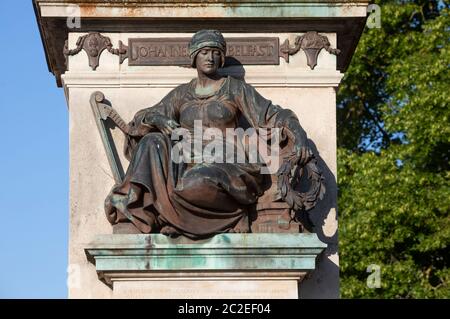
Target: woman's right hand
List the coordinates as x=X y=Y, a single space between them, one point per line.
x=163 y=123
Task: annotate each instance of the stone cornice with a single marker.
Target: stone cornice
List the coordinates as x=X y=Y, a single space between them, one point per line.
x=346 y=18
x=204 y=9
x=184 y=2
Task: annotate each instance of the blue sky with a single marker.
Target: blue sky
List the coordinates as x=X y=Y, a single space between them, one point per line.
x=33 y=163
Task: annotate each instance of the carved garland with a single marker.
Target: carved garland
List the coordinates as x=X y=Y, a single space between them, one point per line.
x=312 y=43
x=94 y=44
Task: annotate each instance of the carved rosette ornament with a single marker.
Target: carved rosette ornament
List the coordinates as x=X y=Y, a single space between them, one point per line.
x=312 y=43
x=94 y=44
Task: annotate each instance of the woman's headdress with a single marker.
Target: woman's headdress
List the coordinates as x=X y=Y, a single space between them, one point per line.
x=207 y=38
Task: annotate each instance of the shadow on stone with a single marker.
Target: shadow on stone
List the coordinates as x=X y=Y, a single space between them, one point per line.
x=233 y=67
x=321 y=283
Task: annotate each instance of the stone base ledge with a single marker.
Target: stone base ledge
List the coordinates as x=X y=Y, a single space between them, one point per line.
x=225 y=266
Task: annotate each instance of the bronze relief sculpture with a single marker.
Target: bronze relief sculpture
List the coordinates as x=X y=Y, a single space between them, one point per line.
x=199 y=198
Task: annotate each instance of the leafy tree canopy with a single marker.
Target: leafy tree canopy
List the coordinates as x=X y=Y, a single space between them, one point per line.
x=394 y=146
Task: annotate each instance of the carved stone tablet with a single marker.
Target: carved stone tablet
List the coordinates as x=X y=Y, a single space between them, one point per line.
x=174 y=51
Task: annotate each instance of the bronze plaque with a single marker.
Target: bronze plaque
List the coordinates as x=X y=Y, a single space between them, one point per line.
x=174 y=51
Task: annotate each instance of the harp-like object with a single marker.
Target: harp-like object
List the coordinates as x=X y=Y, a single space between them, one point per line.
x=102 y=112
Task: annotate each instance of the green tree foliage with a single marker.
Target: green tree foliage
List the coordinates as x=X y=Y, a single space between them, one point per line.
x=394 y=147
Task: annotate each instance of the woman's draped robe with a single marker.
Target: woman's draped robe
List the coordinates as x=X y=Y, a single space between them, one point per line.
x=200 y=199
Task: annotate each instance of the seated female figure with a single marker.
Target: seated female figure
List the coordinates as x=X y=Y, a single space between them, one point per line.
x=192 y=198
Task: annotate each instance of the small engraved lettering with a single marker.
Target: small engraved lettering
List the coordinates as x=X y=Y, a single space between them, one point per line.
x=174 y=51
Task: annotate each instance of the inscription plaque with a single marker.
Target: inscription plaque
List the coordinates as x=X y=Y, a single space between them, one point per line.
x=174 y=51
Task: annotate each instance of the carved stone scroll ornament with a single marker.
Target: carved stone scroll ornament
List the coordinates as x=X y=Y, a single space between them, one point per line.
x=94 y=44
x=312 y=43
x=122 y=52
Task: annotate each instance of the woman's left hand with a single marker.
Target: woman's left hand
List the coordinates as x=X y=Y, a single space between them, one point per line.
x=304 y=154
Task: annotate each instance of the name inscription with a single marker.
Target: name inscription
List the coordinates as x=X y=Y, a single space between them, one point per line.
x=174 y=51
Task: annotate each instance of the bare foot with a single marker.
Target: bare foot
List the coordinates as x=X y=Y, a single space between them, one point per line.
x=170 y=231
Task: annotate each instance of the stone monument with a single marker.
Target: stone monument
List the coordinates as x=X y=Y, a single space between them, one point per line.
x=201 y=229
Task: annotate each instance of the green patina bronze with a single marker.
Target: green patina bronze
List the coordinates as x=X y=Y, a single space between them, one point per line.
x=223 y=252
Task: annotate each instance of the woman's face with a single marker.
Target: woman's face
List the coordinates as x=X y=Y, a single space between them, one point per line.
x=208 y=60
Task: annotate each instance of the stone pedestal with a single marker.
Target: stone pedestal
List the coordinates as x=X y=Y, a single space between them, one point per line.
x=249 y=266
x=310 y=91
